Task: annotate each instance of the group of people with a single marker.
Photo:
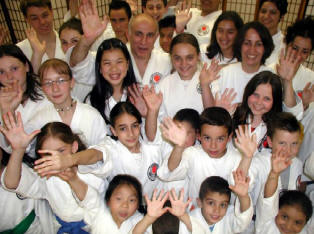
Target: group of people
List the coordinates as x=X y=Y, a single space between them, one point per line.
x=176 y=120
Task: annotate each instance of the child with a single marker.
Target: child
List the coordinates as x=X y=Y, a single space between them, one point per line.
x=212 y=157
x=167 y=28
x=70 y=33
x=54 y=137
x=291 y=212
x=155 y=8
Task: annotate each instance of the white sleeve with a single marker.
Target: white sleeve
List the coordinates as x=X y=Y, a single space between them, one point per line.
x=309 y=166
x=296 y=110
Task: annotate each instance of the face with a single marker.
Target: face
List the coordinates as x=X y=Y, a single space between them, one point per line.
x=225 y=34
x=114 y=67
x=191 y=133
x=285 y=141
x=123 y=203
x=184 y=59
x=127 y=129
x=69 y=37
x=41 y=19
x=302 y=46
x=52 y=143
x=119 y=21
x=269 y=16
x=290 y=220
x=209 y=6
x=214 y=140
x=57 y=87
x=142 y=38
x=155 y=8
x=165 y=38
x=214 y=207
x=261 y=100
x=252 y=50
x=12 y=70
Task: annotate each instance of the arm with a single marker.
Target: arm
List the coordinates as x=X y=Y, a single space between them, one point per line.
x=308 y=95
x=183 y=16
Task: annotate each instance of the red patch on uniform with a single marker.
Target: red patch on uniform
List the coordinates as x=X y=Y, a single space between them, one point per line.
x=265 y=144
x=204 y=28
x=300 y=94
x=154 y=169
x=156 y=78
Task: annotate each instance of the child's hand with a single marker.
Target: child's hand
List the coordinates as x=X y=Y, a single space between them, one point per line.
x=173 y=132
x=155 y=207
x=10 y=97
x=183 y=16
x=208 y=75
x=14 y=132
x=245 y=143
x=308 y=94
x=226 y=99
x=52 y=163
x=178 y=206
x=152 y=99
x=241 y=183
x=136 y=98
x=280 y=160
x=68 y=174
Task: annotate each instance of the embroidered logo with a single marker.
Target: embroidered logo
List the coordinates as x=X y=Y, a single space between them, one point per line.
x=152 y=171
x=199 y=88
x=203 y=30
x=19 y=196
x=155 y=78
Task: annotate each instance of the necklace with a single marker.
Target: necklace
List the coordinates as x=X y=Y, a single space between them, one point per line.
x=64 y=109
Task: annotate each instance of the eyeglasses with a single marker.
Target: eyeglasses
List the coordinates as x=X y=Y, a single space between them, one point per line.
x=58 y=82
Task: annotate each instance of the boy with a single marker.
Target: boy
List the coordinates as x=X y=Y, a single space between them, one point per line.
x=167 y=27
x=210 y=158
x=155 y=8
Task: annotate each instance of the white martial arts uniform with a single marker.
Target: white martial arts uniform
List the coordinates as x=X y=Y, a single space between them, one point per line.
x=196 y=165
x=309 y=166
x=201 y=26
x=25 y=46
x=86 y=122
x=221 y=60
x=179 y=94
x=158 y=67
x=233 y=222
x=279 y=44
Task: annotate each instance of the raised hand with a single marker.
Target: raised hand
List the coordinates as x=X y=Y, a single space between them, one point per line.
x=280 y=160
x=178 y=206
x=209 y=74
x=226 y=99
x=308 y=94
x=68 y=174
x=173 y=132
x=245 y=143
x=136 y=98
x=38 y=47
x=152 y=99
x=241 y=183
x=155 y=207
x=14 y=132
x=10 y=97
x=183 y=16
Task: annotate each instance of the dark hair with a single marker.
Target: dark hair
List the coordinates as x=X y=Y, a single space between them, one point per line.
x=283 y=121
x=281 y=5
x=167 y=22
x=58 y=65
x=187 y=38
x=32 y=86
x=72 y=23
x=25 y=4
x=117 y=5
x=124 y=107
x=297 y=198
x=214 y=48
x=214 y=184
x=265 y=77
x=216 y=116
x=302 y=28
x=119 y=180
x=103 y=90
x=60 y=131
x=190 y=116
x=167 y=223
x=263 y=33
x=144 y=2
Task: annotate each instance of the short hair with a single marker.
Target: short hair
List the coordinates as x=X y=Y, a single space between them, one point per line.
x=296 y=198
x=281 y=5
x=144 y=3
x=74 y=24
x=283 y=121
x=302 y=28
x=216 y=116
x=214 y=184
x=263 y=33
x=167 y=22
x=190 y=116
x=124 y=108
x=58 y=65
x=25 y=4
x=187 y=38
x=118 y=4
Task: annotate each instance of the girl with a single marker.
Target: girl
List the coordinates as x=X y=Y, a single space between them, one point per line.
x=222 y=39
x=70 y=33
x=20 y=90
x=57 y=82
x=55 y=137
x=129 y=154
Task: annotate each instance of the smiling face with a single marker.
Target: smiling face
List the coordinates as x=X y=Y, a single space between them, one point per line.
x=114 y=67
x=303 y=47
x=269 y=16
x=40 y=18
x=226 y=34
x=123 y=203
x=155 y=8
x=290 y=219
x=184 y=59
x=69 y=37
